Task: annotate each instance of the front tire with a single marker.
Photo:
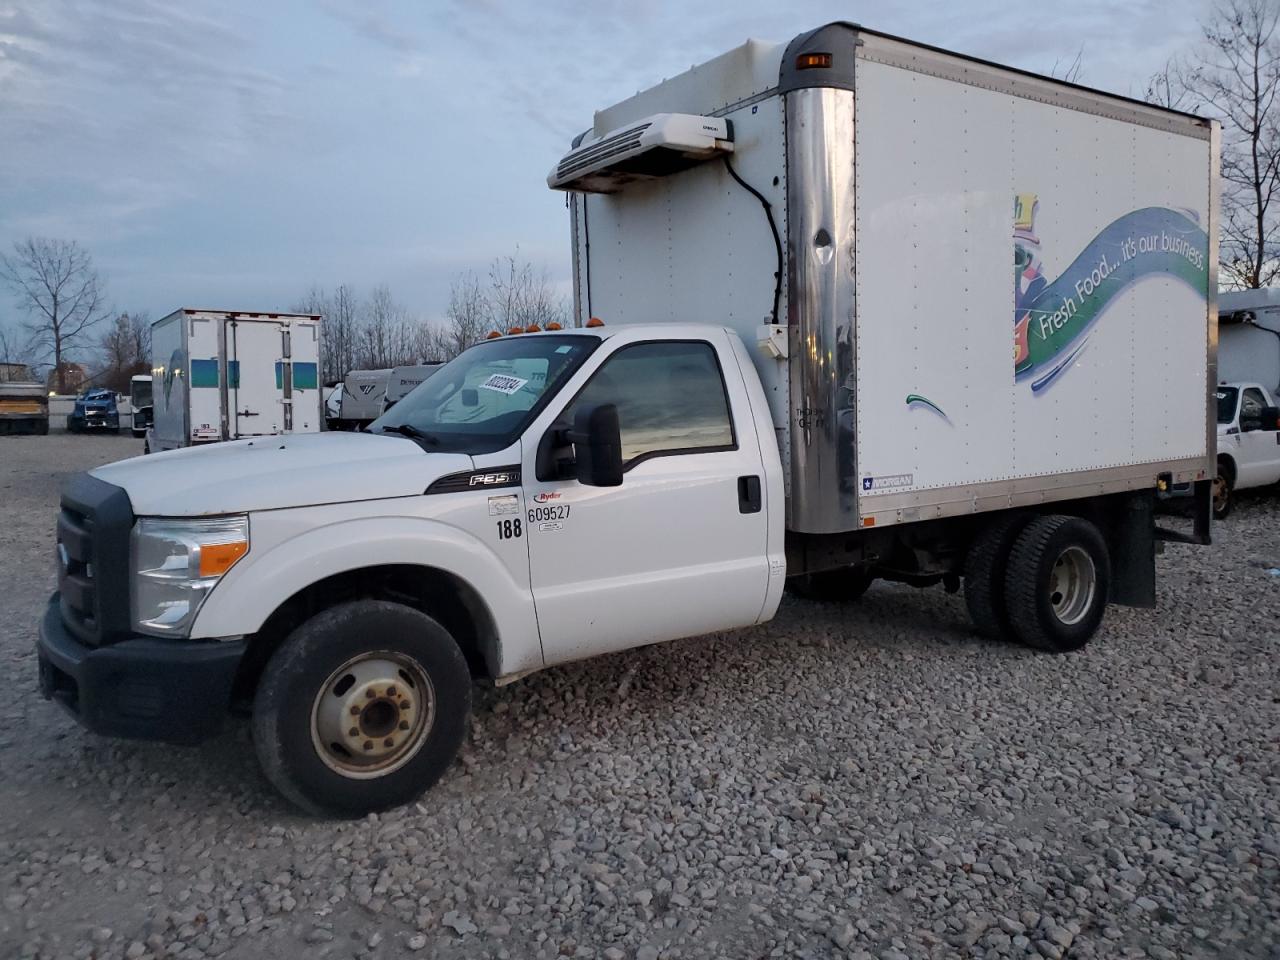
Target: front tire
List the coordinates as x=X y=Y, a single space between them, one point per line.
x=1057 y=583
x=1224 y=489
x=362 y=708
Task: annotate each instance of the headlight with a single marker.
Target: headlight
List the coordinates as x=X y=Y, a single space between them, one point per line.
x=175 y=565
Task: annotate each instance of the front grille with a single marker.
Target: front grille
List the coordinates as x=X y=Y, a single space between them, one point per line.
x=93 y=559
x=75 y=574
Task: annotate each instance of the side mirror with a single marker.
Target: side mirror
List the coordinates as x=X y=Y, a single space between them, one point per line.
x=1270 y=418
x=597 y=442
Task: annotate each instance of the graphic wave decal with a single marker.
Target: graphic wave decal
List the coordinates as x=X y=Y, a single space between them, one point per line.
x=1053 y=318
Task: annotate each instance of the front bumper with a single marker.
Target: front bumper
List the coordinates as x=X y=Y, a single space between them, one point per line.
x=143 y=688
x=93 y=423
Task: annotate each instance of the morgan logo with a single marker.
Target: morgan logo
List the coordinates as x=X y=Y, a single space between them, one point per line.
x=366 y=388
x=489 y=479
x=546 y=497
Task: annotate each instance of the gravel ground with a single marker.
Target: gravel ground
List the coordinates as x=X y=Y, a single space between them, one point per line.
x=866 y=782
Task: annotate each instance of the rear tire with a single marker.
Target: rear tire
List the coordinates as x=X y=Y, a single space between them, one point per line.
x=984 y=576
x=363 y=707
x=1057 y=583
x=832 y=586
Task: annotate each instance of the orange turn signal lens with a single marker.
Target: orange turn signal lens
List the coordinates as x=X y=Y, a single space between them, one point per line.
x=217 y=558
x=492 y=335
x=516 y=330
x=554 y=326
x=810 y=61
x=595 y=322
x=533 y=328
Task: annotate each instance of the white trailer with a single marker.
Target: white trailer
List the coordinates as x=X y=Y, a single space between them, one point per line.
x=404 y=380
x=1249 y=331
x=871 y=311
x=224 y=375
x=362 y=394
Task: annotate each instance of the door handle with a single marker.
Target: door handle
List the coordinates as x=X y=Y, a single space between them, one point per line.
x=749 y=500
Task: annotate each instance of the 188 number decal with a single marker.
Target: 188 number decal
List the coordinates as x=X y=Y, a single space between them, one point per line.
x=509 y=529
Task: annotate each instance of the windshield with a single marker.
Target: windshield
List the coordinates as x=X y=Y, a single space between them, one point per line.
x=1227 y=403
x=481 y=400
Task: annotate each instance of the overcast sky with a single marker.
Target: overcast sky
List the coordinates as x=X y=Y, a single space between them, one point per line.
x=232 y=154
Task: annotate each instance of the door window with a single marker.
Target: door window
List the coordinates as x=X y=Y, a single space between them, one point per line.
x=670 y=397
x=1251 y=405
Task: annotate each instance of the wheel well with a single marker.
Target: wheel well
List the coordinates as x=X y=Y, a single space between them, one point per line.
x=438 y=593
x=1229 y=463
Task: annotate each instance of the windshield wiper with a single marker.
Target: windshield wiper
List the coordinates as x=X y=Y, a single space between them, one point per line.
x=412 y=432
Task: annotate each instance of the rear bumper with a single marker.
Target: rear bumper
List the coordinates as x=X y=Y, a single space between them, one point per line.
x=142 y=688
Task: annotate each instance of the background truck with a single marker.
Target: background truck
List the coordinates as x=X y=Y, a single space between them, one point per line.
x=1248 y=442
x=225 y=375
x=925 y=358
x=97 y=409
x=1249 y=337
x=141 y=404
x=24 y=407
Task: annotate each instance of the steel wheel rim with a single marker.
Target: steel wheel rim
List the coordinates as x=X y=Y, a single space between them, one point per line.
x=1073 y=581
x=372 y=715
x=1221 y=493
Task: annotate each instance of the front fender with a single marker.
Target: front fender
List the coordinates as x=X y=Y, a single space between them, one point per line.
x=290 y=560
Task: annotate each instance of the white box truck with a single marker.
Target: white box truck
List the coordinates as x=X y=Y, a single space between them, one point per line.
x=223 y=375
x=867 y=310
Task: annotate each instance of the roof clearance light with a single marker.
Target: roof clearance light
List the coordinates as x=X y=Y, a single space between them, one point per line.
x=595 y=322
x=810 y=61
x=492 y=335
x=533 y=328
x=516 y=330
x=554 y=326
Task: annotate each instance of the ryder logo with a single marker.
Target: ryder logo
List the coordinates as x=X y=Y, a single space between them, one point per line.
x=1052 y=321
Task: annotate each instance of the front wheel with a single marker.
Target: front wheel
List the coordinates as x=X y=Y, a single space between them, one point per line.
x=363 y=707
x=1224 y=487
x=1056 y=583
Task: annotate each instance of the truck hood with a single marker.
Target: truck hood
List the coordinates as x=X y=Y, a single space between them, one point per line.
x=272 y=473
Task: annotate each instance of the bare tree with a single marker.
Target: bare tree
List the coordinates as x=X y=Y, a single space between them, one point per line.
x=1070 y=71
x=61 y=292
x=126 y=349
x=1235 y=77
x=466 y=317
x=387 y=331
x=339 y=328
x=521 y=297
x=13 y=354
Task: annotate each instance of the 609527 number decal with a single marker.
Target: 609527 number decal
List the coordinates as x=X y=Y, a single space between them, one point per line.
x=509 y=529
x=558 y=512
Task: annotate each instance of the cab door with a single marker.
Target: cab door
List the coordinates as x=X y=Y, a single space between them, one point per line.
x=1259 y=459
x=680 y=548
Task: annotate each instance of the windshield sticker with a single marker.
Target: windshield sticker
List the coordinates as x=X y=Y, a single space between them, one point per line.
x=565 y=349
x=502 y=383
x=501 y=506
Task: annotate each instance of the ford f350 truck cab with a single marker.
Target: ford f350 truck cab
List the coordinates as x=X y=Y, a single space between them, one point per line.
x=815 y=369
x=1248 y=442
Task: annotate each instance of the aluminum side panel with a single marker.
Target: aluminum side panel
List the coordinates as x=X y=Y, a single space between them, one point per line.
x=943 y=415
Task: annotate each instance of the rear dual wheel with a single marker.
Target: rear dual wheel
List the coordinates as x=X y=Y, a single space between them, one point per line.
x=1043 y=581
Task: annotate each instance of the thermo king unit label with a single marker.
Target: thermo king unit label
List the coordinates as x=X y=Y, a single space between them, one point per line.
x=500 y=506
x=888 y=482
x=503 y=383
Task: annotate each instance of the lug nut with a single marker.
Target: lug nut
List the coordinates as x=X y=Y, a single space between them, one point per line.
x=391 y=691
x=354 y=732
x=404 y=724
x=405 y=704
x=355 y=711
x=370 y=693
x=388 y=742
x=368 y=744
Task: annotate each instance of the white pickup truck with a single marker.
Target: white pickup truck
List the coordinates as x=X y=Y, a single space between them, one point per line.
x=1248 y=442
x=914 y=343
